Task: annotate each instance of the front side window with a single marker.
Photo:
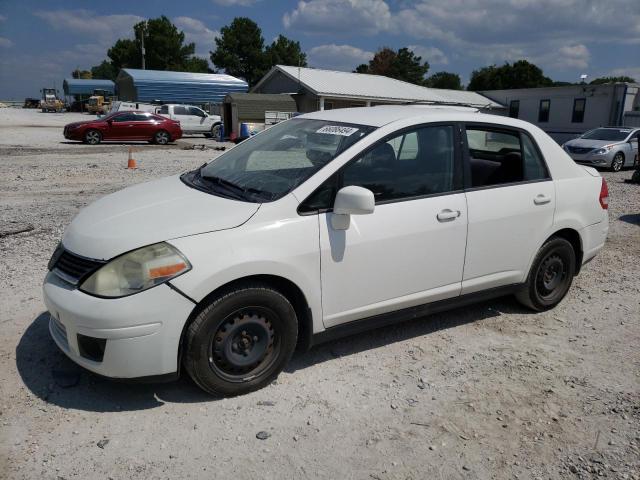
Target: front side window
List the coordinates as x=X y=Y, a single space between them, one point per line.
x=124 y=117
x=268 y=166
x=578 y=110
x=196 y=111
x=413 y=164
x=142 y=117
x=543 y=113
x=498 y=156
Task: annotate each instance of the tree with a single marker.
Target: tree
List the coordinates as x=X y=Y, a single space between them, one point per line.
x=240 y=50
x=104 y=71
x=284 y=51
x=83 y=74
x=444 y=80
x=165 y=49
x=402 y=65
x=520 y=74
x=603 y=80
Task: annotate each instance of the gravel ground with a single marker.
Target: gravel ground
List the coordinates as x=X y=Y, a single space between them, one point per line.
x=488 y=391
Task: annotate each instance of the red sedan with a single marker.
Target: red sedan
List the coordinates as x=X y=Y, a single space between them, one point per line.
x=125 y=126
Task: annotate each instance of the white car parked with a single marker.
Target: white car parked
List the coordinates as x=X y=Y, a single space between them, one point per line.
x=327 y=224
x=192 y=119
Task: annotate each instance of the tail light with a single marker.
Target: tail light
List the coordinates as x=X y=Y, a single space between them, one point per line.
x=604 y=195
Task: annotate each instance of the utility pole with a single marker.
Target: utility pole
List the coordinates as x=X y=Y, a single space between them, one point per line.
x=142 y=41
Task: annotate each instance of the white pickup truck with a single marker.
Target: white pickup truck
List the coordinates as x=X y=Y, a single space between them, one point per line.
x=192 y=119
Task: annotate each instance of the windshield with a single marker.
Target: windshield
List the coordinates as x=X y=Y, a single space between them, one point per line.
x=607 y=134
x=270 y=165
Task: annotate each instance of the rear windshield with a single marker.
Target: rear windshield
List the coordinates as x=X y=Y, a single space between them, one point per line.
x=607 y=134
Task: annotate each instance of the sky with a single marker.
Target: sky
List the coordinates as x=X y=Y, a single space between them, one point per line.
x=41 y=42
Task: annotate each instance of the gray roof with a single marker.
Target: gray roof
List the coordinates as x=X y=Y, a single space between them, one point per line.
x=168 y=76
x=82 y=86
x=334 y=84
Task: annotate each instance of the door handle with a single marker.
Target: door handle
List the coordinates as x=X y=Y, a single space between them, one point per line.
x=541 y=199
x=447 y=215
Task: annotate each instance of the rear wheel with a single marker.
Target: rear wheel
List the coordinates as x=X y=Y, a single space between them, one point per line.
x=92 y=137
x=241 y=341
x=618 y=162
x=550 y=277
x=161 y=137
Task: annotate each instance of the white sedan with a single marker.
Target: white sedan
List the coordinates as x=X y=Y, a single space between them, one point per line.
x=325 y=225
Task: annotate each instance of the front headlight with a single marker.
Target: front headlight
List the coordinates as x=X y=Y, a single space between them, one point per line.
x=137 y=271
x=603 y=150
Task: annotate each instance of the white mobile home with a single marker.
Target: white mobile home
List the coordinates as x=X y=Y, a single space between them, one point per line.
x=568 y=111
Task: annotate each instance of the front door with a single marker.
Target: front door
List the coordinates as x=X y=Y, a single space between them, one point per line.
x=511 y=203
x=410 y=251
x=120 y=127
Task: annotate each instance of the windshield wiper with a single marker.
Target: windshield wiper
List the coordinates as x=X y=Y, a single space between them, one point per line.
x=234 y=186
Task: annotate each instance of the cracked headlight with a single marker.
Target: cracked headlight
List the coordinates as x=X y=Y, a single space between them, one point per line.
x=136 y=271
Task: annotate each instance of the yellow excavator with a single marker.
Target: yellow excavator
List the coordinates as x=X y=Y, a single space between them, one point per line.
x=50 y=101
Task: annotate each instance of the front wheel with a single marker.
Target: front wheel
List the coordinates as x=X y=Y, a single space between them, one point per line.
x=618 y=162
x=92 y=137
x=215 y=131
x=241 y=340
x=161 y=137
x=550 y=277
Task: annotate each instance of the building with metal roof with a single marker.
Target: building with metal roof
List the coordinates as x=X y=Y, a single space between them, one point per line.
x=176 y=87
x=79 y=86
x=316 y=89
x=263 y=109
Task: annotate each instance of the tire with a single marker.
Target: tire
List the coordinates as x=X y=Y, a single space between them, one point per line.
x=161 y=137
x=92 y=137
x=618 y=162
x=215 y=131
x=550 y=276
x=241 y=340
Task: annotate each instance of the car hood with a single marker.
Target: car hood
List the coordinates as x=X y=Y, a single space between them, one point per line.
x=584 y=143
x=149 y=213
x=78 y=124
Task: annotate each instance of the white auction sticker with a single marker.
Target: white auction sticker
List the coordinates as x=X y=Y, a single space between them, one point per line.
x=337 y=130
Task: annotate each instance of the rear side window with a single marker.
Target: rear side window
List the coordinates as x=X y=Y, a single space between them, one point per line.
x=164 y=110
x=499 y=157
x=177 y=110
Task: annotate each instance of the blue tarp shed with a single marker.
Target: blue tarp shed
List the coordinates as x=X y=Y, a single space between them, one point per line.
x=176 y=87
x=77 y=86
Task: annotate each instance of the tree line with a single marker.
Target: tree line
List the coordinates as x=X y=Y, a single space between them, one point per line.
x=240 y=50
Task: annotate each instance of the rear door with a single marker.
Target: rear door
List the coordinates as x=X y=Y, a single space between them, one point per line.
x=511 y=203
x=182 y=115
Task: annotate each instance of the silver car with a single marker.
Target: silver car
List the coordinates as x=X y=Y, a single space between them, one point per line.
x=609 y=147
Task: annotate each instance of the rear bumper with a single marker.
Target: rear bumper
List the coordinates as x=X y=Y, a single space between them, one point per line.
x=593 y=239
x=140 y=333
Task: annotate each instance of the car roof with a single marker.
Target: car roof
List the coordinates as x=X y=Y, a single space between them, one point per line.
x=385 y=114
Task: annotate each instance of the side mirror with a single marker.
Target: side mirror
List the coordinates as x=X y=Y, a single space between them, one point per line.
x=351 y=201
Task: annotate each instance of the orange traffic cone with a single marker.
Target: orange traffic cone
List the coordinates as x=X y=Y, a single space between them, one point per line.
x=131 y=164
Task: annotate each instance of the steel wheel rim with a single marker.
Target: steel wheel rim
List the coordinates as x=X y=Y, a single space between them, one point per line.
x=93 y=137
x=244 y=345
x=618 y=161
x=215 y=131
x=162 y=138
x=551 y=276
